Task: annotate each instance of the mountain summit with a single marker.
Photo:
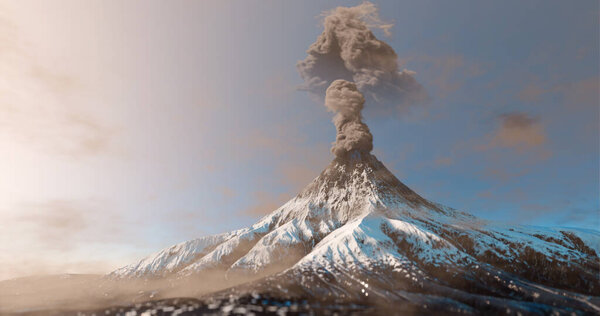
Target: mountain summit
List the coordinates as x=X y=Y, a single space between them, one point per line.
x=358 y=234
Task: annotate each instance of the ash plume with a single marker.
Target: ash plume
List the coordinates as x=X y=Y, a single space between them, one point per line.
x=347 y=49
x=343 y=98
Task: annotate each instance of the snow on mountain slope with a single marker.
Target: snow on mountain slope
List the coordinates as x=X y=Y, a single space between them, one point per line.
x=356 y=216
x=172 y=259
x=371 y=240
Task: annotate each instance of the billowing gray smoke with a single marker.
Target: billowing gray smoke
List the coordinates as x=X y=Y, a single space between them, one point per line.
x=348 y=63
x=347 y=49
x=343 y=98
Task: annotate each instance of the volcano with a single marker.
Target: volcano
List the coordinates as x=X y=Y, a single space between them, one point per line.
x=357 y=235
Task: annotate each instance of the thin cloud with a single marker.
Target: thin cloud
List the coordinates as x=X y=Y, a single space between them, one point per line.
x=582 y=93
x=57 y=223
x=448 y=73
x=228 y=192
x=26 y=267
x=62 y=223
x=518 y=130
x=531 y=93
x=296 y=165
x=517 y=145
x=444 y=161
x=485 y=194
x=504 y=172
x=298 y=176
x=38 y=106
x=296 y=162
x=265 y=202
x=581 y=215
x=53 y=234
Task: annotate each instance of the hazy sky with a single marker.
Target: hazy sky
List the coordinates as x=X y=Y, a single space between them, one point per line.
x=128 y=126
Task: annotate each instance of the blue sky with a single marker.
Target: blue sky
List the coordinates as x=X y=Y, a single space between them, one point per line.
x=130 y=126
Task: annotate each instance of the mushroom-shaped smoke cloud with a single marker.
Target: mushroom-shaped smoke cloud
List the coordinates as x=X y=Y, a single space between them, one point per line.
x=347 y=49
x=343 y=98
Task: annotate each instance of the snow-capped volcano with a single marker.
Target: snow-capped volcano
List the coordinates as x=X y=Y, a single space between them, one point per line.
x=356 y=222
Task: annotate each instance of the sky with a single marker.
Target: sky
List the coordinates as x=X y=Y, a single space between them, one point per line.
x=129 y=126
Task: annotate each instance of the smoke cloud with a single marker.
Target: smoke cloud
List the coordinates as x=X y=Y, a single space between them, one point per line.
x=342 y=97
x=347 y=49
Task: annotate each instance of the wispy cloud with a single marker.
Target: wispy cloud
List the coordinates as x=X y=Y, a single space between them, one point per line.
x=265 y=202
x=62 y=224
x=518 y=130
x=448 y=73
x=518 y=143
x=580 y=93
x=228 y=192
x=444 y=161
x=39 y=105
x=532 y=92
x=59 y=235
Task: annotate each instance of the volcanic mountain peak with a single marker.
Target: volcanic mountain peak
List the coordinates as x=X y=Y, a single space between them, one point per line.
x=356 y=218
x=351 y=186
x=353 y=189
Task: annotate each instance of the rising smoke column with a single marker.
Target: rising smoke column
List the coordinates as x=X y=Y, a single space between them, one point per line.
x=347 y=64
x=343 y=98
x=347 y=49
